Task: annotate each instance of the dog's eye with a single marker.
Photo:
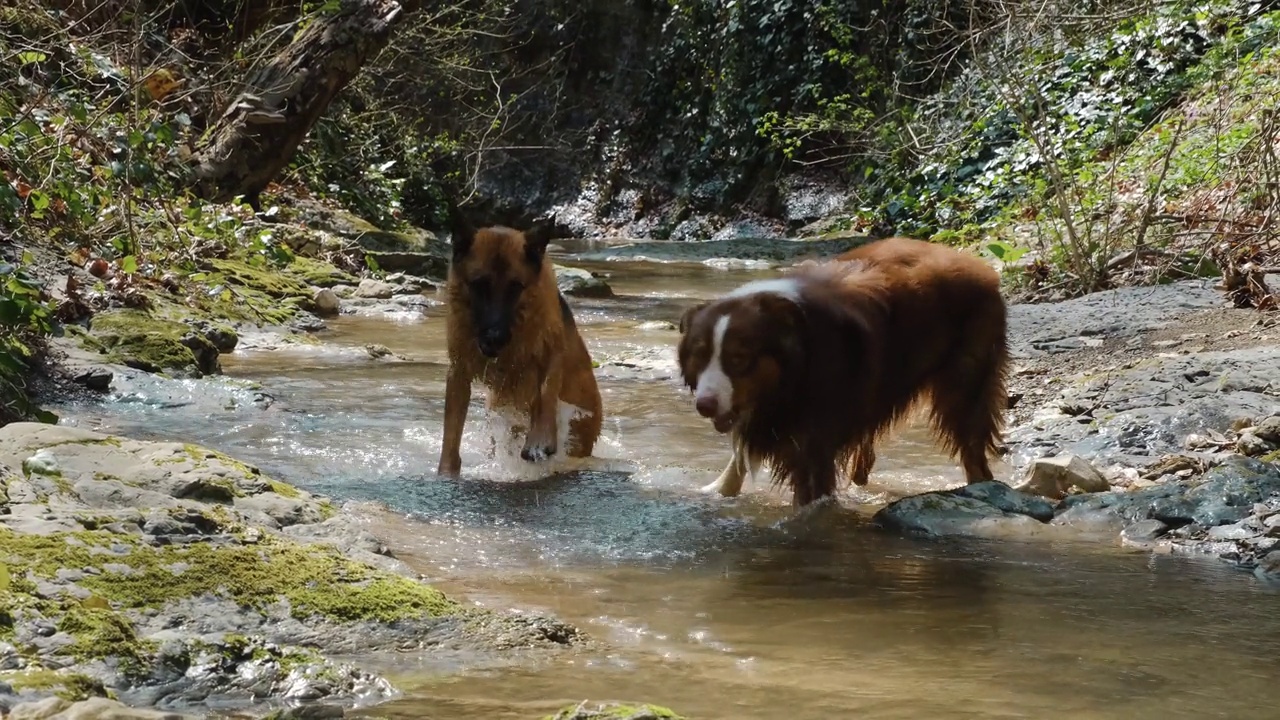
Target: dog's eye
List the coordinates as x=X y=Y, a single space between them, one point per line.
x=514 y=289
x=736 y=362
x=479 y=286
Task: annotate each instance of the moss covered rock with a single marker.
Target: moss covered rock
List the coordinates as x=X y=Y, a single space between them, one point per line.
x=164 y=570
x=147 y=341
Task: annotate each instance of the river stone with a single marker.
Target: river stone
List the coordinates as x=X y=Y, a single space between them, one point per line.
x=96 y=379
x=56 y=708
x=1268 y=569
x=326 y=302
x=1252 y=445
x=1269 y=429
x=375 y=289
x=1222 y=496
x=1056 y=477
x=581 y=283
x=974 y=510
x=1143 y=533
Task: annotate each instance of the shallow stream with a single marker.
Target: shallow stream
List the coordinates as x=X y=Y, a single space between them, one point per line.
x=719 y=608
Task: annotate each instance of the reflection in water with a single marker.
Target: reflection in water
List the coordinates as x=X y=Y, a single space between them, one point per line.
x=721 y=608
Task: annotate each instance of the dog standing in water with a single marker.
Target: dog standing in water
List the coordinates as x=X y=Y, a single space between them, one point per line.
x=807 y=371
x=510 y=329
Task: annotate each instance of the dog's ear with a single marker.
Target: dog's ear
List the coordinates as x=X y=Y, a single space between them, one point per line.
x=462 y=232
x=687 y=316
x=789 y=334
x=536 y=239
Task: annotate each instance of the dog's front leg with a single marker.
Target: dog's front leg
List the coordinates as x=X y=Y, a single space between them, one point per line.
x=541 y=442
x=457 y=396
x=729 y=484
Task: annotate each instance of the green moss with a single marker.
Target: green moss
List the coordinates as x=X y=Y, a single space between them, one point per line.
x=69 y=686
x=615 y=712
x=101 y=632
x=320 y=273
x=284 y=489
x=202 y=455
x=316 y=580
x=1271 y=457
x=146 y=340
x=274 y=282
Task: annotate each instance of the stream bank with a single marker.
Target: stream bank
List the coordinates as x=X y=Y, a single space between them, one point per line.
x=172 y=576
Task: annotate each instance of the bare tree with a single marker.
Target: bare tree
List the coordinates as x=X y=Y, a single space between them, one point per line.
x=257 y=135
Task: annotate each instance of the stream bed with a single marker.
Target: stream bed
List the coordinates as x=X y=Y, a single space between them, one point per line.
x=717 y=608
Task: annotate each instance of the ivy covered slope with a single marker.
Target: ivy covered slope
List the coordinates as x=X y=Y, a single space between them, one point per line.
x=1130 y=147
x=162 y=574
x=104 y=249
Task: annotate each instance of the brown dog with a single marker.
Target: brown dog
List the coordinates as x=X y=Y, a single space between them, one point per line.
x=807 y=371
x=510 y=329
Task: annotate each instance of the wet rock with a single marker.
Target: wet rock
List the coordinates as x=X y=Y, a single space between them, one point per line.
x=305 y=322
x=375 y=289
x=613 y=711
x=56 y=708
x=1252 y=445
x=408 y=284
x=576 y=282
x=1056 y=477
x=1269 y=430
x=326 y=302
x=1222 y=496
x=220 y=336
x=153 y=344
x=97 y=379
x=1268 y=569
x=207 y=601
x=1235 y=531
x=376 y=351
x=1143 y=533
x=656 y=326
x=982 y=509
x=418 y=264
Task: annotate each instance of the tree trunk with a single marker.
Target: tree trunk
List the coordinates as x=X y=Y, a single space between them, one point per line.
x=257 y=135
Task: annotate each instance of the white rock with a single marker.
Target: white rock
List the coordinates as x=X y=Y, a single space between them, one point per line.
x=370 y=288
x=1056 y=476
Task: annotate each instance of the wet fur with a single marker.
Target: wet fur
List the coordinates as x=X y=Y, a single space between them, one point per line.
x=877 y=330
x=545 y=361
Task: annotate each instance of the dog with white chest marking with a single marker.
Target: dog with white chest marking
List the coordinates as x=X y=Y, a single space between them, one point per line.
x=808 y=371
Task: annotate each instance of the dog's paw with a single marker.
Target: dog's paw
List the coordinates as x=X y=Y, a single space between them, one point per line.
x=716 y=488
x=537 y=453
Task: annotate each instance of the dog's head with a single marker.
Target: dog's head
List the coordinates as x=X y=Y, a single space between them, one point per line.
x=491 y=270
x=737 y=352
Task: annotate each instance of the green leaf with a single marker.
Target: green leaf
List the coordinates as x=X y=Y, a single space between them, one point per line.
x=129 y=265
x=31 y=56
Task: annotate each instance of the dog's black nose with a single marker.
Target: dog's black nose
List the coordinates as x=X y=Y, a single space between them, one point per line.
x=492 y=341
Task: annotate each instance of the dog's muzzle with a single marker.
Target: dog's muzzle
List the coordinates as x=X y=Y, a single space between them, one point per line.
x=492 y=341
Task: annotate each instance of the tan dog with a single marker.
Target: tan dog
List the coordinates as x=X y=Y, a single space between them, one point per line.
x=510 y=329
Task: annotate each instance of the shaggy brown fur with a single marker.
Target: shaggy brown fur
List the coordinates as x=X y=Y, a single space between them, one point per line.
x=511 y=330
x=816 y=366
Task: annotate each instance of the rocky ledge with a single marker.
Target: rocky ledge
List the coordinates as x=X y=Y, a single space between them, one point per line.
x=1228 y=506
x=170 y=576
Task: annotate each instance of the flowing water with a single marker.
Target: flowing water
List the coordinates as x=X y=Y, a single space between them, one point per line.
x=720 y=608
